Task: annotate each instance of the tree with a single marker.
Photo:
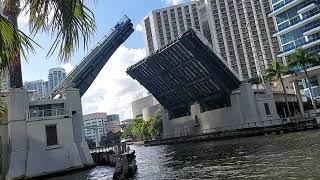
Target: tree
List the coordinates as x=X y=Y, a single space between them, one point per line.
x=110 y=139
x=275 y=74
x=301 y=58
x=137 y=128
x=91 y=143
x=155 y=125
x=70 y=20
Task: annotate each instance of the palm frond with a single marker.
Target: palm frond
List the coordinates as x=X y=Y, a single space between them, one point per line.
x=12 y=42
x=302 y=59
x=70 y=20
x=276 y=71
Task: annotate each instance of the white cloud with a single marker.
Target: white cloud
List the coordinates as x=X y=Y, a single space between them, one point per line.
x=139 y=28
x=68 y=67
x=24 y=15
x=113 y=90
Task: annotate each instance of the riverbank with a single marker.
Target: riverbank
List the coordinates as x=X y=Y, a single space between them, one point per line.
x=246 y=132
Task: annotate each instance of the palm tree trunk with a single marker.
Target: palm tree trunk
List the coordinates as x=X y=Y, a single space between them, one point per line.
x=285 y=97
x=309 y=87
x=15 y=73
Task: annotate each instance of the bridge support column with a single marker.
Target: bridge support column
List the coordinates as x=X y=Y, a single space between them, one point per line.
x=18 y=105
x=73 y=102
x=297 y=92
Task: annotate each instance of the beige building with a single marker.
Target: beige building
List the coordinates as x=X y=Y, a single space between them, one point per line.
x=163 y=25
x=242 y=34
x=145 y=107
x=239 y=31
x=97 y=125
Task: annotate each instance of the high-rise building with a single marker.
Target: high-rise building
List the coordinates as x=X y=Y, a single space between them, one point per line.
x=242 y=34
x=97 y=125
x=239 y=31
x=113 y=123
x=297 y=25
x=39 y=87
x=164 y=25
x=55 y=78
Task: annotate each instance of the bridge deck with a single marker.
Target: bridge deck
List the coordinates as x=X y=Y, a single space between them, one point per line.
x=88 y=69
x=183 y=72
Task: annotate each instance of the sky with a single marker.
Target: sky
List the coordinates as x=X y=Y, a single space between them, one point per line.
x=113 y=90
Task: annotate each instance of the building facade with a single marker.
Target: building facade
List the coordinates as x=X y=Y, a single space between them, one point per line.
x=145 y=107
x=113 y=123
x=297 y=25
x=39 y=137
x=240 y=32
x=55 y=77
x=97 y=125
x=164 y=25
x=39 y=88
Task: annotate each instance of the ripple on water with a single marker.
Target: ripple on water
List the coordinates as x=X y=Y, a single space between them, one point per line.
x=289 y=156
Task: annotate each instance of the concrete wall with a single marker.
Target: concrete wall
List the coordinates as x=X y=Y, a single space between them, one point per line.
x=247 y=110
x=140 y=104
x=3 y=150
x=63 y=156
x=29 y=154
x=149 y=112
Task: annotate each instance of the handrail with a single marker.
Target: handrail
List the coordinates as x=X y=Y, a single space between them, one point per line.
x=261 y=124
x=57 y=112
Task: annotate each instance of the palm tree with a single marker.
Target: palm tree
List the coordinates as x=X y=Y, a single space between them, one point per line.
x=275 y=74
x=300 y=58
x=70 y=20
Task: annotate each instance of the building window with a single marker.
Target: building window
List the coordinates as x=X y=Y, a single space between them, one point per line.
x=51 y=132
x=266 y=108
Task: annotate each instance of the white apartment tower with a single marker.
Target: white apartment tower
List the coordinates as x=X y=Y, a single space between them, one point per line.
x=55 y=77
x=242 y=34
x=39 y=88
x=239 y=30
x=164 y=25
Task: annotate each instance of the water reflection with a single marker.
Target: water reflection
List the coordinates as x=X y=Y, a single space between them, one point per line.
x=293 y=156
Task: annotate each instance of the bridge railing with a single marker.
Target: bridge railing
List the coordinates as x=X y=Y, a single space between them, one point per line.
x=48 y=113
x=262 y=124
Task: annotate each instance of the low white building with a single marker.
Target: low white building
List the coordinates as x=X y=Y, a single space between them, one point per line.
x=249 y=108
x=42 y=137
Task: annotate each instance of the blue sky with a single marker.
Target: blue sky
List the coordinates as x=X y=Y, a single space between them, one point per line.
x=107 y=13
x=113 y=91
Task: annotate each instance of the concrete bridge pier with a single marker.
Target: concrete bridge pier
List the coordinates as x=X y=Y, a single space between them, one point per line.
x=17 y=101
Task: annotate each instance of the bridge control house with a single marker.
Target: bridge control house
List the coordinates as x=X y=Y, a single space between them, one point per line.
x=45 y=136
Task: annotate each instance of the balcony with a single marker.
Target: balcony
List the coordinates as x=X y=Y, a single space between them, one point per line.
x=312 y=29
x=307 y=8
x=305 y=20
x=304 y=45
x=283 y=6
x=48 y=114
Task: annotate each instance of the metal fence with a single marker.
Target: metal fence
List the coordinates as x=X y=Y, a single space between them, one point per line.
x=58 y=112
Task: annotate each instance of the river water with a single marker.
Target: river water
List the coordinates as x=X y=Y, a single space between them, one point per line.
x=288 y=156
